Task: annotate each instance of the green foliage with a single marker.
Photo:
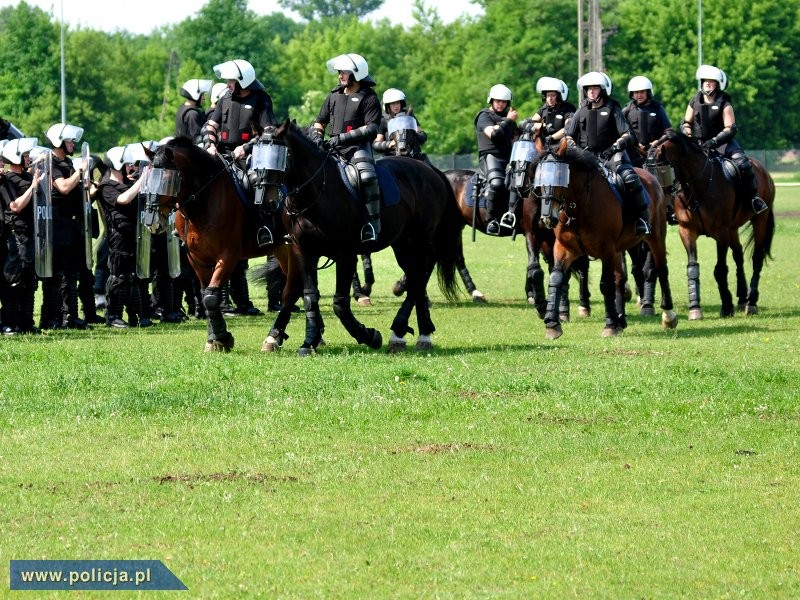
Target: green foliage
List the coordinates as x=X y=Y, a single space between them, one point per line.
x=311 y=10
x=122 y=87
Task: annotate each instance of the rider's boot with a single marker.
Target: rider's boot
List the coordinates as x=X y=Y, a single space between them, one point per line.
x=633 y=185
x=372 y=194
x=749 y=178
x=492 y=226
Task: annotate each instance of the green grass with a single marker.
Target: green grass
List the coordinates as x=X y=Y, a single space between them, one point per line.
x=653 y=465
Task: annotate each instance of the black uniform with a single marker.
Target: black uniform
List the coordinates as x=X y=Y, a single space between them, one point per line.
x=18 y=270
x=648 y=123
x=189 y=122
x=494 y=154
x=242 y=119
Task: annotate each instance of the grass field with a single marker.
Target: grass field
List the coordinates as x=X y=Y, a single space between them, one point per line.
x=653 y=465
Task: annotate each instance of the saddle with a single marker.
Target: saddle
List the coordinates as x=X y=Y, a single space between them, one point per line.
x=390 y=192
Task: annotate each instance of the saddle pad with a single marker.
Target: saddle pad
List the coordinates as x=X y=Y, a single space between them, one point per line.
x=390 y=192
x=614 y=184
x=469 y=193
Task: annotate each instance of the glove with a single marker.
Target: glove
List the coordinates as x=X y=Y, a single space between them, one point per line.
x=316 y=137
x=709 y=144
x=333 y=142
x=609 y=152
x=549 y=141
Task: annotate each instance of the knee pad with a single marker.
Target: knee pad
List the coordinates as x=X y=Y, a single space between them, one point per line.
x=693 y=271
x=556 y=278
x=212 y=298
x=631 y=180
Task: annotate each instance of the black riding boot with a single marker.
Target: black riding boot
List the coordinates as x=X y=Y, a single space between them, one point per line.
x=372 y=195
x=240 y=291
x=492 y=226
x=751 y=184
x=633 y=186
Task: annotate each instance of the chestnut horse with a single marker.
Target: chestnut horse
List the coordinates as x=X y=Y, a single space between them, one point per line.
x=709 y=204
x=218 y=226
x=591 y=221
x=419 y=220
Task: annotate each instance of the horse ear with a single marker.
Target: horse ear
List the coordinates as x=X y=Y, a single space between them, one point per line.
x=168 y=154
x=149 y=153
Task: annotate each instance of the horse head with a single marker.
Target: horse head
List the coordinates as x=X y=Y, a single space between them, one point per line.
x=402 y=130
x=550 y=180
x=268 y=165
x=161 y=185
x=305 y=160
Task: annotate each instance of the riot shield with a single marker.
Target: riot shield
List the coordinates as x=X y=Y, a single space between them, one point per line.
x=173 y=247
x=43 y=215
x=144 y=240
x=87 y=205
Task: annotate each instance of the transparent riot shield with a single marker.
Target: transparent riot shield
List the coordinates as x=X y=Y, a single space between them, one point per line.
x=144 y=240
x=43 y=215
x=87 y=205
x=173 y=247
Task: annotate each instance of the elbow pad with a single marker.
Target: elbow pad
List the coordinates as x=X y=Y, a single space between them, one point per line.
x=726 y=135
x=380 y=146
x=208 y=136
x=422 y=137
x=355 y=136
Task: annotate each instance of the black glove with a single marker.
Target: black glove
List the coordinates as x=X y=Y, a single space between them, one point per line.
x=333 y=142
x=609 y=152
x=709 y=144
x=549 y=141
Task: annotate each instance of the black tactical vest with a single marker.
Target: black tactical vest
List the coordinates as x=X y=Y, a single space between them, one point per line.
x=346 y=112
x=13 y=186
x=708 y=120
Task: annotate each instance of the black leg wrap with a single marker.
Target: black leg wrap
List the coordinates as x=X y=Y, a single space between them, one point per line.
x=212 y=300
x=551 y=318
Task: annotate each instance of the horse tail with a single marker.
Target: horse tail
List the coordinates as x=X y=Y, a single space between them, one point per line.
x=447 y=242
x=765 y=243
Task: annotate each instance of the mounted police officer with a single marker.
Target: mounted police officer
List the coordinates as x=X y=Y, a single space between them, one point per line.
x=190 y=117
x=599 y=126
x=117 y=194
x=353 y=111
x=709 y=118
x=60 y=292
x=496 y=128
x=646 y=116
x=550 y=119
x=16 y=193
x=394 y=105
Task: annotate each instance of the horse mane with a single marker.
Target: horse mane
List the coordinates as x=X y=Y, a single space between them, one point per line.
x=579 y=158
x=685 y=143
x=199 y=157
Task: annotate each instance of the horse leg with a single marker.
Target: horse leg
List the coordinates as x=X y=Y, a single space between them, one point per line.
x=289 y=296
x=721 y=277
x=219 y=338
x=689 y=240
x=422 y=306
x=477 y=295
x=763 y=231
x=534 y=278
x=581 y=265
x=369 y=274
x=345 y=265
x=741 y=280
x=552 y=322
x=647 y=297
x=563 y=304
x=639 y=255
x=612 y=286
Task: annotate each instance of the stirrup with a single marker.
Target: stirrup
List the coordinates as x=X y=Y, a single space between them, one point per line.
x=508 y=220
x=368 y=233
x=643 y=227
x=264 y=236
x=492 y=228
x=759 y=205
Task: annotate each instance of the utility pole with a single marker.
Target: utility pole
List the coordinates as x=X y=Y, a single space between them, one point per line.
x=589 y=25
x=172 y=58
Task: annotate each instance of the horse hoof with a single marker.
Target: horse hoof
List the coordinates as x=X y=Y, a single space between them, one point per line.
x=396 y=346
x=531 y=301
x=377 y=340
x=750 y=310
x=647 y=311
x=563 y=317
x=217 y=346
x=424 y=344
x=364 y=301
x=553 y=333
x=695 y=314
x=584 y=311
x=610 y=331
x=669 y=319
x=398 y=289
x=478 y=297
x=303 y=351
x=726 y=313
x=270 y=344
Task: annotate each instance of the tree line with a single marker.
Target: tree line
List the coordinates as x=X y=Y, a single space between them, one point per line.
x=123 y=87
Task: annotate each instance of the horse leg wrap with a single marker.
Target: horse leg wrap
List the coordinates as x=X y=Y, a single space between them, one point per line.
x=212 y=301
x=551 y=318
x=693 y=276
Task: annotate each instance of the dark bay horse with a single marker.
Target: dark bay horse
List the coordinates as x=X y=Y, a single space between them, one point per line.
x=419 y=220
x=708 y=204
x=591 y=221
x=219 y=227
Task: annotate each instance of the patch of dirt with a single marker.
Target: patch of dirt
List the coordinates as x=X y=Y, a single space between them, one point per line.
x=450 y=448
x=571 y=420
x=745 y=452
x=253 y=478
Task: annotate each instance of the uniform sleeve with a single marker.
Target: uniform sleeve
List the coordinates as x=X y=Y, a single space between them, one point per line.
x=573 y=127
x=324 y=116
x=372 y=111
x=483 y=121
x=267 y=117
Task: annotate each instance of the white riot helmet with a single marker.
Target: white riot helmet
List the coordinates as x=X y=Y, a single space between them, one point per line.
x=393 y=95
x=498 y=92
x=194 y=88
x=217 y=90
x=14 y=150
x=239 y=70
x=114 y=157
x=595 y=78
x=60 y=132
x=354 y=63
x=130 y=154
x=551 y=84
x=711 y=72
x=640 y=83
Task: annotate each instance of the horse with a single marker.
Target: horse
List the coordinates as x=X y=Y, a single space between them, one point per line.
x=537 y=239
x=589 y=219
x=709 y=204
x=419 y=220
x=218 y=225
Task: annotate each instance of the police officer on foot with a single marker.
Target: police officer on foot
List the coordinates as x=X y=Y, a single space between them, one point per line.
x=190 y=117
x=709 y=118
x=353 y=110
x=599 y=126
x=496 y=128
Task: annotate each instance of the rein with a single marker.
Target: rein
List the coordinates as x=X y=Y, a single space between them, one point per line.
x=193 y=197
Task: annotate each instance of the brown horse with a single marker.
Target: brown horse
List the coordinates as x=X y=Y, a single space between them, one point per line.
x=419 y=220
x=218 y=226
x=591 y=221
x=709 y=204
